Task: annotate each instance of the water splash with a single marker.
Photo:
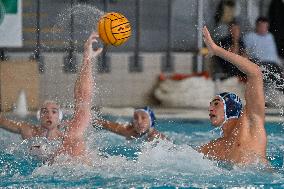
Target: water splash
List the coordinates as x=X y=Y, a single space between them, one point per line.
x=160 y=163
x=84 y=17
x=274 y=91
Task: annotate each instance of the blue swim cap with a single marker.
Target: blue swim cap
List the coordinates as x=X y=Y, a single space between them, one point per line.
x=232 y=105
x=150 y=113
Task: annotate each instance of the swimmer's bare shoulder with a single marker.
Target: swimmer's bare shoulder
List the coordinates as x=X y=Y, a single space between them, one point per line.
x=210 y=148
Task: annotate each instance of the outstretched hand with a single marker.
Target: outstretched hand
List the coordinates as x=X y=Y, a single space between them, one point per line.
x=89 y=52
x=208 y=41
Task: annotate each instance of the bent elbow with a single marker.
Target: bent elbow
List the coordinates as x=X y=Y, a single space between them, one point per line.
x=256 y=72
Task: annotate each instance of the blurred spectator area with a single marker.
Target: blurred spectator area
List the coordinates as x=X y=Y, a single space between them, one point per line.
x=54 y=36
x=153 y=21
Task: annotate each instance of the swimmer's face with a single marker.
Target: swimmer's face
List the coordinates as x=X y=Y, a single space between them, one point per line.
x=235 y=31
x=216 y=111
x=262 y=28
x=49 y=115
x=141 y=121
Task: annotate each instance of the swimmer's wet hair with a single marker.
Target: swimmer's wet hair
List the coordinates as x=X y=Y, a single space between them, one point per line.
x=262 y=19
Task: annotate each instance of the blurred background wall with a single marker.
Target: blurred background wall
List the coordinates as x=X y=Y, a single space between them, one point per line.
x=166 y=38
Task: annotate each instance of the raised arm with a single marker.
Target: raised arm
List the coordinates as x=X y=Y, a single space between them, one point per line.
x=254 y=94
x=83 y=91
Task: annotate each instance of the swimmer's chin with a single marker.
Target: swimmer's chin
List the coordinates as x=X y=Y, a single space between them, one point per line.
x=215 y=124
x=141 y=130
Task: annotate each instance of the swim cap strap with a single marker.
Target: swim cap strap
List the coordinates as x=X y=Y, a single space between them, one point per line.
x=221 y=132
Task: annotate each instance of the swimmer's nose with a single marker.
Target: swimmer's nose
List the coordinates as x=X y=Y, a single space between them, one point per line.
x=210 y=108
x=49 y=115
x=139 y=121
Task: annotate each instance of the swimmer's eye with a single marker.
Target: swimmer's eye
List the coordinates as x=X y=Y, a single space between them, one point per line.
x=54 y=111
x=214 y=103
x=44 y=111
x=144 y=117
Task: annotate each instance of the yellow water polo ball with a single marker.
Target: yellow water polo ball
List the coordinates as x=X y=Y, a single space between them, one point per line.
x=114 y=29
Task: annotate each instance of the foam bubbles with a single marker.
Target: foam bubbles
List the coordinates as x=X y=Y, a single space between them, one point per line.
x=158 y=163
x=84 y=18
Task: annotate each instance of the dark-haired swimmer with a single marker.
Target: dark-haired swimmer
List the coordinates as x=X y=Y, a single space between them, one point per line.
x=71 y=141
x=142 y=126
x=244 y=137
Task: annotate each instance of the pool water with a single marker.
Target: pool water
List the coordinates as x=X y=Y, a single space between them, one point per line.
x=118 y=163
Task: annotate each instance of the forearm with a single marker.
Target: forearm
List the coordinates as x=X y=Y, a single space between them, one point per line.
x=105 y=124
x=243 y=64
x=10 y=125
x=84 y=83
x=111 y=126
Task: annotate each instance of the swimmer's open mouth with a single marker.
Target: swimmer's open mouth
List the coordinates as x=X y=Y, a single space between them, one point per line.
x=48 y=122
x=211 y=115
